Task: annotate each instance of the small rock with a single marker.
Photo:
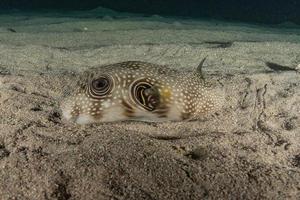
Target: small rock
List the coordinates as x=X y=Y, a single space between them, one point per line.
x=17 y=88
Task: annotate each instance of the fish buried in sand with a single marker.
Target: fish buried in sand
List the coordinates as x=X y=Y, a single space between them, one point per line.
x=140 y=91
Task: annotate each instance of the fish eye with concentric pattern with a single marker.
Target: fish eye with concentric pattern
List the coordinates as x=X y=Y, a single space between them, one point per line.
x=145 y=95
x=101 y=86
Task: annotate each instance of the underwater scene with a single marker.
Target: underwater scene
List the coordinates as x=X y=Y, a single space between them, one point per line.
x=149 y=99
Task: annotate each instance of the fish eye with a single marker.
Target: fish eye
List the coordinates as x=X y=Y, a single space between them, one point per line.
x=100 y=86
x=145 y=95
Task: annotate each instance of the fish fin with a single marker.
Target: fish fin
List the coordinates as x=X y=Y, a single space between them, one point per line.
x=200 y=66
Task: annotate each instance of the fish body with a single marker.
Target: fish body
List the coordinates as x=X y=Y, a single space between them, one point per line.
x=136 y=90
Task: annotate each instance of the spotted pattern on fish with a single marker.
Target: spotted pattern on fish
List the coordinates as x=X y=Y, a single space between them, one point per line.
x=136 y=90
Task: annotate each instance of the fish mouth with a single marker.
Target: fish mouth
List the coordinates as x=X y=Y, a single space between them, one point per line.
x=81 y=119
x=78 y=118
x=68 y=116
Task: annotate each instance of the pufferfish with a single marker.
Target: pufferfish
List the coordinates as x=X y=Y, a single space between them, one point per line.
x=142 y=91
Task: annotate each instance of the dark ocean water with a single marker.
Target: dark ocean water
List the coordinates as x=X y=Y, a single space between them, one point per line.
x=253 y=11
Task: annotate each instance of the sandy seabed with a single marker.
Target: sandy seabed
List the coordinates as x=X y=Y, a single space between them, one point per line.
x=249 y=150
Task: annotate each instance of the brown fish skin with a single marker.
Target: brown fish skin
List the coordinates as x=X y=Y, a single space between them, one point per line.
x=136 y=90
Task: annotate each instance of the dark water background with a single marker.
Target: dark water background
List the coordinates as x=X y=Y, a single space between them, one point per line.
x=254 y=11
